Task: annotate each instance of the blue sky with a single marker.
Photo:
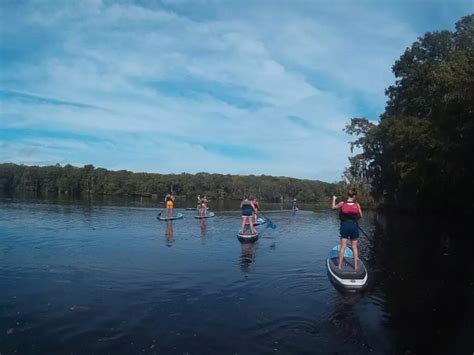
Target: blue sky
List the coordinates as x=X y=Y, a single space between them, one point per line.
x=239 y=87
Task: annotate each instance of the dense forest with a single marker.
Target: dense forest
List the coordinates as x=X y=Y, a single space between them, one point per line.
x=88 y=180
x=420 y=155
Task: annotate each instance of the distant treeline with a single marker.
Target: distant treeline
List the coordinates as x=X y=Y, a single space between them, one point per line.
x=420 y=155
x=88 y=180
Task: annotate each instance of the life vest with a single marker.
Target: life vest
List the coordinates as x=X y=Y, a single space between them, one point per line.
x=350 y=211
x=246 y=205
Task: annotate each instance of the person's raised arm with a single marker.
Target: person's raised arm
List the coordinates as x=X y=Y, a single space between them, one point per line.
x=334 y=205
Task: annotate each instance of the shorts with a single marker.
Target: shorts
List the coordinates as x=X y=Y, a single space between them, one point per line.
x=169 y=204
x=247 y=213
x=349 y=230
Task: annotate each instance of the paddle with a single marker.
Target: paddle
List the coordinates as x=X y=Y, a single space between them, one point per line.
x=371 y=238
x=363 y=232
x=269 y=221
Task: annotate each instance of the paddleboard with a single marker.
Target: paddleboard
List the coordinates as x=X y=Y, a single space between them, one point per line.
x=164 y=217
x=259 y=221
x=245 y=237
x=347 y=278
x=209 y=215
x=191 y=208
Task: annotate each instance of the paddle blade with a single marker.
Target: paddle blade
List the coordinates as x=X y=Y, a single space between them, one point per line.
x=271 y=224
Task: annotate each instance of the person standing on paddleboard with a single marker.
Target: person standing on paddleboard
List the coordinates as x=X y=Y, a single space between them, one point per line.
x=169 y=200
x=294 y=206
x=199 y=204
x=247 y=212
x=204 y=203
x=254 y=203
x=349 y=213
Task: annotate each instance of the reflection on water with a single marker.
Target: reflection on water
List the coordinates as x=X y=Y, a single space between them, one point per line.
x=247 y=257
x=203 y=227
x=169 y=233
x=71 y=272
x=423 y=271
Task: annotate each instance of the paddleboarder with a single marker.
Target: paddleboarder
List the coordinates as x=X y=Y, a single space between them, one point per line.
x=198 y=207
x=255 y=208
x=204 y=202
x=294 y=206
x=169 y=200
x=349 y=213
x=247 y=211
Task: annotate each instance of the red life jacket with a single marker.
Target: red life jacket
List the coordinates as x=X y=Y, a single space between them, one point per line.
x=349 y=211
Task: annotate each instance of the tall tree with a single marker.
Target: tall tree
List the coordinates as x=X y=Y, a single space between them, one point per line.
x=420 y=154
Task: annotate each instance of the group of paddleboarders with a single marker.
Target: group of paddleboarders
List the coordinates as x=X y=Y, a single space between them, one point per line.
x=249 y=209
x=202 y=205
x=349 y=213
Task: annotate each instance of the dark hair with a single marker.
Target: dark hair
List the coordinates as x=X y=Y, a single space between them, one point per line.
x=352 y=192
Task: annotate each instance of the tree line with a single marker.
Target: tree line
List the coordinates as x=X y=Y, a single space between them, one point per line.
x=79 y=181
x=420 y=154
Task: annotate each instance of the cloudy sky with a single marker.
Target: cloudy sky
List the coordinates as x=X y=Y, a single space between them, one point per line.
x=244 y=87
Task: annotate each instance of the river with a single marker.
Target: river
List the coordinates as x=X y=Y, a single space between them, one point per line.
x=85 y=278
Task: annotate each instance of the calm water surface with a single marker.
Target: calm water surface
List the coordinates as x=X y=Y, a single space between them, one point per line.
x=100 y=279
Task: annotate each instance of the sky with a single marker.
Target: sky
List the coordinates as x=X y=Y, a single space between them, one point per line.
x=232 y=87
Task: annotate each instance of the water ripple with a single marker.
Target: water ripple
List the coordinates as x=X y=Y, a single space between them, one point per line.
x=129 y=283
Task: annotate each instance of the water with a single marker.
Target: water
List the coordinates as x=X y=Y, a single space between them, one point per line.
x=85 y=279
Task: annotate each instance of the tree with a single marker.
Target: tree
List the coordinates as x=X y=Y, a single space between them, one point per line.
x=88 y=180
x=420 y=153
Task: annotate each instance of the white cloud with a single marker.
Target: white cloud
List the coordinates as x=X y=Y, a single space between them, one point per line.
x=234 y=78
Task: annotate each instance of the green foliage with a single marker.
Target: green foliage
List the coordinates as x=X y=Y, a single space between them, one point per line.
x=73 y=181
x=364 y=196
x=420 y=154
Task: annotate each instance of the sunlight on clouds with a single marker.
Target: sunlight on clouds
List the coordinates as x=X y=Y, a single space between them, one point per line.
x=184 y=86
